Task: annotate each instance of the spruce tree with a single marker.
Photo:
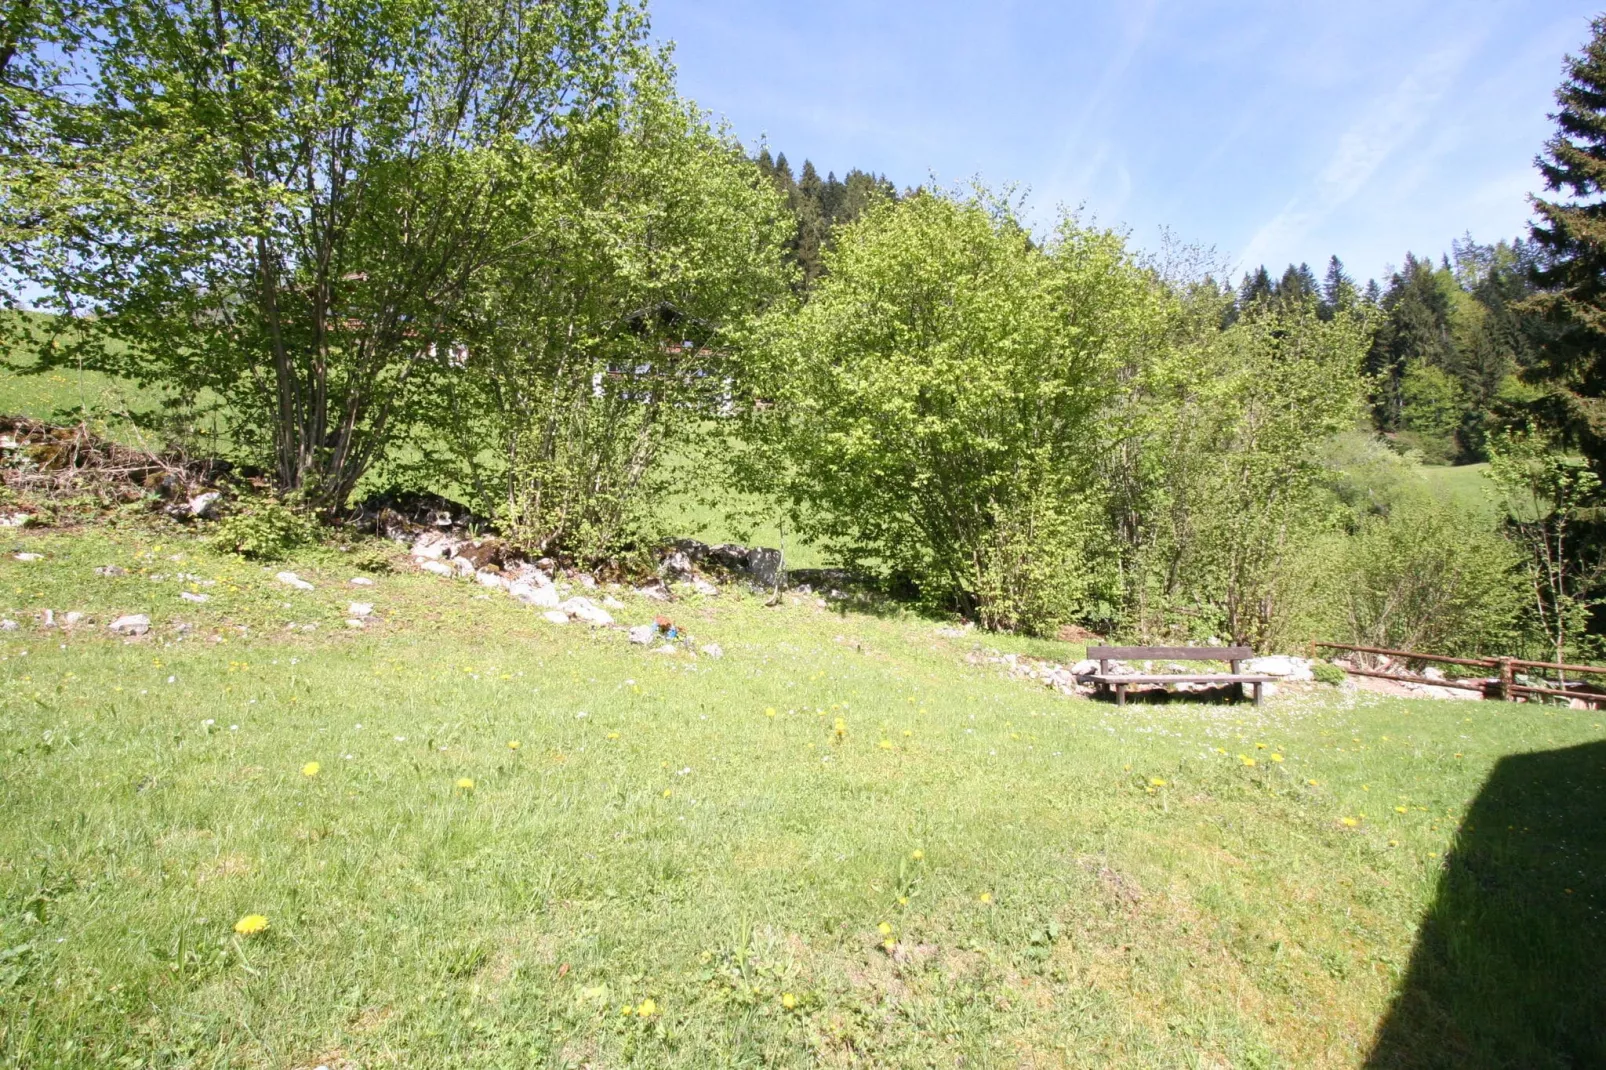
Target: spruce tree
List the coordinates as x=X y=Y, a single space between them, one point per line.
x=1571 y=236
x=1338 y=290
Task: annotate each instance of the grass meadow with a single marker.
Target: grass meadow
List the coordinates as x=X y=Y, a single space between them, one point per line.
x=481 y=840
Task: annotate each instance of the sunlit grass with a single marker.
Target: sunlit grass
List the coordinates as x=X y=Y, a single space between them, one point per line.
x=680 y=863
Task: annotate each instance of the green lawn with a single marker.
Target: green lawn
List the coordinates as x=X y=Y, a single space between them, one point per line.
x=1061 y=882
x=1465 y=486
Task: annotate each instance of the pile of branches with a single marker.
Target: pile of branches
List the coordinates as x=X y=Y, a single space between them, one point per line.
x=50 y=463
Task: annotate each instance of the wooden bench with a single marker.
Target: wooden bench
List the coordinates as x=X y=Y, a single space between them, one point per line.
x=1232 y=655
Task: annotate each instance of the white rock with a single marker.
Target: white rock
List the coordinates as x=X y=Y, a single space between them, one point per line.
x=1433 y=672
x=585 y=579
x=703 y=587
x=714 y=650
x=353 y=622
x=644 y=634
x=463 y=567
x=676 y=566
x=111 y=570
x=532 y=594
x=1281 y=666
x=655 y=591
x=203 y=505
x=663 y=650
x=360 y=609
x=8 y=625
x=610 y=602
x=440 y=568
x=14 y=520
x=73 y=618
x=361 y=581
x=29 y=557
x=495 y=580
x=132 y=624
x=290 y=579
x=1085 y=667
x=49 y=620
x=433 y=546
x=585 y=609
x=190 y=596
x=556 y=616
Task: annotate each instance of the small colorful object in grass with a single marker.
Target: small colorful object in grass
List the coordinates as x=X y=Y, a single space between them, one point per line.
x=1276 y=757
x=985 y=897
x=613 y=735
x=885 y=928
x=788 y=1001
x=769 y=711
x=514 y=744
x=1350 y=822
x=668 y=792
x=917 y=854
x=647 y=1009
x=1158 y=782
x=1313 y=783
x=1246 y=759
x=885 y=744
x=1260 y=746
x=310 y=769
x=465 y=783
x=251 y=924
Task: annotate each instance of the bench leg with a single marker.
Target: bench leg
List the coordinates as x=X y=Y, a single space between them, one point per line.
x=1257 y=694
x=1120 y=694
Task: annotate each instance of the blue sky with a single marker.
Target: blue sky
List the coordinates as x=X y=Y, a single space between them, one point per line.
x=1274 y=132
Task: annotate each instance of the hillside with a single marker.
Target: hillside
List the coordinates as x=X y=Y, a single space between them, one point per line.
x=481 y=839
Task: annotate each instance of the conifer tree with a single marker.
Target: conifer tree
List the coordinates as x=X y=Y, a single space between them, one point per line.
x=1338 y=290
x=1571 y=235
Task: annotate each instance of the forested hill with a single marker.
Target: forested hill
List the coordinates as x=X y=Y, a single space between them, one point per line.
x=1451 y=342
x=819 y=205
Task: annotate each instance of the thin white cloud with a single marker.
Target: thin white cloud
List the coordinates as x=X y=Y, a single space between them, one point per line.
x=1388 y=123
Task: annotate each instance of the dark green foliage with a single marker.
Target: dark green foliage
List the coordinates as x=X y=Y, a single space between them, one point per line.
x=819 y=206
x=265 y=530
x=1571 y=234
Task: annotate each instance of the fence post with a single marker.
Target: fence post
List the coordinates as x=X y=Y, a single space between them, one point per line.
x=1507 y=680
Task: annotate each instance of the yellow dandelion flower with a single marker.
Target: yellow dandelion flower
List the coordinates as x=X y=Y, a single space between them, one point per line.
x=1401 y=810
x=1157 y=781
x=985 y=897
x=1276 y=757
x=888 y=945
x=613 y=735
x=648 y=1008
x=903 y=900
x=310 y=769
x=885 y=928
x=626 y=1011
x=251 y=924
x=1246 y=759
x=788 y=1000
x=1260 y=746
x=769 y=711
x=1394 y=843
x=1350 y=822
x=917 y=854
x=668 y=792
x=907 y=733
x=1313 y=783
x=465 y=783
x=885 y=744
x=514 y=744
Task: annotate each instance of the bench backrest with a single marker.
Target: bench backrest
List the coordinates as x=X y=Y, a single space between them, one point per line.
x=1170 y=653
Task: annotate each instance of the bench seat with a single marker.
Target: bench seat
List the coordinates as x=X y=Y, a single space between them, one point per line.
x=1119 y=682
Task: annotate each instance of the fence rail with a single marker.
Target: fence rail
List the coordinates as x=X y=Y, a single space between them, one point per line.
x=1505 y=686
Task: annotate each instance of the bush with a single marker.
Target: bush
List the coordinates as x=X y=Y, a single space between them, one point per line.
x=934 y=412
x=1328 y=673
x=264 y=530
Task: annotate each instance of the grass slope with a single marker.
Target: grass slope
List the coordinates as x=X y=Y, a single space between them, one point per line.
x=974 y=871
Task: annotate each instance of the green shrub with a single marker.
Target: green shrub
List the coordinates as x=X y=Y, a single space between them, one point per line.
x=1327 y=673
x=265 y=530
x=372 y=558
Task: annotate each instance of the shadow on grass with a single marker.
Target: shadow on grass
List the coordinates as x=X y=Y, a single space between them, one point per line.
x=1509 y=968
x=1229 y=694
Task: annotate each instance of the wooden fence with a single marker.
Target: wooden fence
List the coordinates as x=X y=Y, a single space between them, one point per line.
x=1502 y=684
